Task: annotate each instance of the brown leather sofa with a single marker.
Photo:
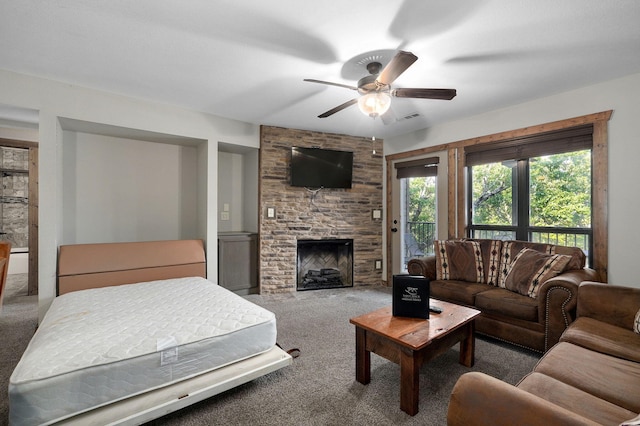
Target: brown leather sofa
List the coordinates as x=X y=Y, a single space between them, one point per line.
x=592 y=377
x=533 y=323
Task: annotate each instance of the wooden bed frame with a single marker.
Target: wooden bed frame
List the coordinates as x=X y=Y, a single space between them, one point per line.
x=84 y=266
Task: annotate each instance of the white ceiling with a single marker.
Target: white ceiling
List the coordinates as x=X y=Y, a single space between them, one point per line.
x=246 y=60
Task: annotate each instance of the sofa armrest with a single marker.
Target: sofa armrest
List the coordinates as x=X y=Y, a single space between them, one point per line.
x=424 y=266
x=570 y=279
x=557 y=301
x=613 y=304
x=481 y=400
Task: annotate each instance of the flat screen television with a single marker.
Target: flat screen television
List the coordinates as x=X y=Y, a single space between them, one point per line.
x=321 y=168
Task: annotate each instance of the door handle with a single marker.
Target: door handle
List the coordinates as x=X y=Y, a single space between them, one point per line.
x=394 y=229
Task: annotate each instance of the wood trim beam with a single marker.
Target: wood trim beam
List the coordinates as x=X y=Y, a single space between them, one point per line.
x=32 y=285
x=14 y=143
x=389 y=248
x=541 y=128
x=600 y=194
x=452 y=190
x=510 y=134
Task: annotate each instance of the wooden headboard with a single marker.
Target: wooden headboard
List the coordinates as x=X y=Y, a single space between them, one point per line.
x=83 y=266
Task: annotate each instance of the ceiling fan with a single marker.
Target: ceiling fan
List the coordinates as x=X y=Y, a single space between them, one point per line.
x=375 y=89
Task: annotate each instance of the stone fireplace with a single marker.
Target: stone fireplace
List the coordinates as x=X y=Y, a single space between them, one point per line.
x=291 y=214
x=326 y=263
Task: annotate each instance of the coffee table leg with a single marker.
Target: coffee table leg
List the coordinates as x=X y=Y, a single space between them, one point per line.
x=409 y=383
x=363 y=357
x=467 y=346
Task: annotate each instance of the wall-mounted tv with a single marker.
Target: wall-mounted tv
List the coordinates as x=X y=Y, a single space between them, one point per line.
x=321 y=168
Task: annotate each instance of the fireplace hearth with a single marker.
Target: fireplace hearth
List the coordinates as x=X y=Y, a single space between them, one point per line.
x=326 y=263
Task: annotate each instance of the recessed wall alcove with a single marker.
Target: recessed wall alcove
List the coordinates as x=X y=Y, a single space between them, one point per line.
x=121 y=184
x=301 y=214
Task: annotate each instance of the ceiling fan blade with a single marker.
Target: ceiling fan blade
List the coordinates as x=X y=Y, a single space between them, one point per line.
x=396 y=66
x=444 y=94
x=338 y=108
x=346 y=86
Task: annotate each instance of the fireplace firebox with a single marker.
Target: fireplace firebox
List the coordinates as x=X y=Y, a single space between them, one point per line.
x=326 y=263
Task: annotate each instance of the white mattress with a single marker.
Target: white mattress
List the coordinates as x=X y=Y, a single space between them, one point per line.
x=97 y=346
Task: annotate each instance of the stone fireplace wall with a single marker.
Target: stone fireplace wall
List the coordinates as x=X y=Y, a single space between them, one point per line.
x=330 y=213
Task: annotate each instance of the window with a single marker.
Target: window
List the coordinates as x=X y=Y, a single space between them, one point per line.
x=536 y=188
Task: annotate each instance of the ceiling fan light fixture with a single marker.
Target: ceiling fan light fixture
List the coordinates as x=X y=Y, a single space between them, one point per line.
x=375 y=89
x=374 y=104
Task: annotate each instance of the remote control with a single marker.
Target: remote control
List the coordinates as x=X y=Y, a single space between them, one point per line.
x=435 y=309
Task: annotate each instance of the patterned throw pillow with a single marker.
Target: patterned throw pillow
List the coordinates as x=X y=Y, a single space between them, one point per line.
x=636 y=322
x=459 y=260
x=493 y=271
x=509 y=251
x=530 y=269
x=491 y=253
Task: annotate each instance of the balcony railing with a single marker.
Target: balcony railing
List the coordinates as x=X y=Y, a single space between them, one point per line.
x=572 y=237
x=418 y=239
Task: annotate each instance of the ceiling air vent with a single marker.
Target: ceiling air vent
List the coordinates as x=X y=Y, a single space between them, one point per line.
x=409 y=117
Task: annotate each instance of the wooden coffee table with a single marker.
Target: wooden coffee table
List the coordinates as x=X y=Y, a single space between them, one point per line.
x=412 y=342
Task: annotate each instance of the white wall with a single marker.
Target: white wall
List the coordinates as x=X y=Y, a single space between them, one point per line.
x=119 y=190
x=238 y=187
x=230 y=186
x=251 y=197
x=30 y=135
x=620 y=95
x=57 y=102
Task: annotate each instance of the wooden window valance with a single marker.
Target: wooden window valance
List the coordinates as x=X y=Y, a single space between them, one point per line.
x=557 y=142
x=423 y=167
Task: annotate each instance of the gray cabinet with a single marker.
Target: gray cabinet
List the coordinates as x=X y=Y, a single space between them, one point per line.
x=238 y=262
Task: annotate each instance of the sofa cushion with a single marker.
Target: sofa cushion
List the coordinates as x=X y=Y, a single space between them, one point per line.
x=459 y=260
x=603 y=337
x=531 y=268
x=574 y=399
x=509 y=251
x=507 y=303
x=491 y=252
x=636 y=322
x=481 y=400
x=578 y=258
x=460 y=292
x=613 y=379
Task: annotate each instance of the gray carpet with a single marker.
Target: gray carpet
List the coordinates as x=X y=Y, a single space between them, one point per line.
x=320 y=387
